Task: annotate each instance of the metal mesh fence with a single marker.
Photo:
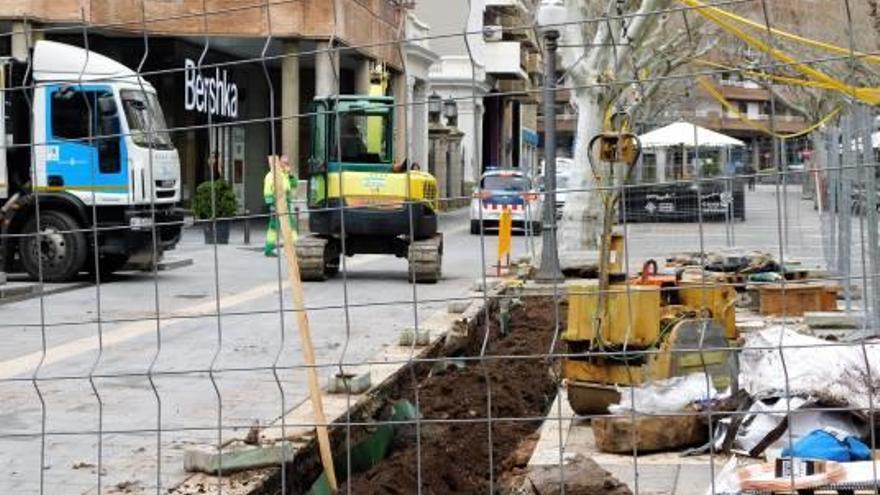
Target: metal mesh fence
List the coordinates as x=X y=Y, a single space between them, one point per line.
x=301 y=246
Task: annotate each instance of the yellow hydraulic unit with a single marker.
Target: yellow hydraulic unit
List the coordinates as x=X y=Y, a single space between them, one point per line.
x=625 y=333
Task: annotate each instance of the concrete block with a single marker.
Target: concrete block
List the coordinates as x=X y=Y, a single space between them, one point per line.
x=174 y=264
x=833 y=319
x=350 y=383
x=18 y=289
x=236 y=456
x=411 y=336
x=145 y=265
x=458 y=307
x=482 y=285
x=750 y=326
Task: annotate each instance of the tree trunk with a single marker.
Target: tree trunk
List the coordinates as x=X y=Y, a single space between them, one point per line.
x=582 y=216
x=816 y=168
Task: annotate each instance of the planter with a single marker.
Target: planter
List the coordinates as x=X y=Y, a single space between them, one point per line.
x=218 y=235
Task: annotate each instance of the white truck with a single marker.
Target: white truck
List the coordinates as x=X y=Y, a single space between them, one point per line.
x=86 y=161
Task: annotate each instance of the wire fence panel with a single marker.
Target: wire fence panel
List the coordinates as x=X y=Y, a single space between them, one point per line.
x=472 y=246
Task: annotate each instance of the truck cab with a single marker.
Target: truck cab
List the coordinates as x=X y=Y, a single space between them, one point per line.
x=89 y=165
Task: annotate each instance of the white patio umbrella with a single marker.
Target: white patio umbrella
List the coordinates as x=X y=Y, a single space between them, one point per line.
x=687 y=134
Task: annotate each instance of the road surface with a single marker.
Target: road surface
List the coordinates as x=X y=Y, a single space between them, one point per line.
x=201 y=378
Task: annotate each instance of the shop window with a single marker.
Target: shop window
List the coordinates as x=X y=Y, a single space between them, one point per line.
x=649 y=168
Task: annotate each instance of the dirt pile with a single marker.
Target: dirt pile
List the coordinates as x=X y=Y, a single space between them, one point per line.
x=452 y=450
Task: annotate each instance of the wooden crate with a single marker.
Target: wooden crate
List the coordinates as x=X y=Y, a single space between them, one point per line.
x=795 y=299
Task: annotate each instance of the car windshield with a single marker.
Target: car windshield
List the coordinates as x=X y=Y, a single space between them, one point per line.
x=511 y=183
x=146 y=120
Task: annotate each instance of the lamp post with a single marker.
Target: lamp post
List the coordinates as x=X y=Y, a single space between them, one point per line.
x=435 y=107
x=551 y=13
x=450 y=111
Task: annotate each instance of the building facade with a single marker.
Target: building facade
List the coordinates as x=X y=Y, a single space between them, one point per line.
x=277 y=56
x=489 y=62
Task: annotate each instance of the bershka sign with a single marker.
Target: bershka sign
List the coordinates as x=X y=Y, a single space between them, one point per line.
x=209 y=95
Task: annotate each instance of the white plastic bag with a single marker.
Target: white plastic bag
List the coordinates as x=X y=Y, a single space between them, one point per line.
x=665 y=396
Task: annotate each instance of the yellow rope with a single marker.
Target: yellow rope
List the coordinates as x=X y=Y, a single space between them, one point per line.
x=763 y=75
x=709 y=88
x=867 y=95
x=784 y=34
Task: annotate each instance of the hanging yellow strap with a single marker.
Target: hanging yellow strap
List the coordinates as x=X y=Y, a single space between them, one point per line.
x=783 y=34
x=867 y=95
x=710 y=88
x=793 y=81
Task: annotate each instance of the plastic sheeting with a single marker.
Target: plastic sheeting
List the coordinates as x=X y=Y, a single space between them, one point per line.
x=779 y=362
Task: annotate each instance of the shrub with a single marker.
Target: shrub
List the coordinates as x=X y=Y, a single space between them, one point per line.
x=225 y=204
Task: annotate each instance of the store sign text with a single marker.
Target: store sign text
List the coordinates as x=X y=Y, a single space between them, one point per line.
x=209 y=95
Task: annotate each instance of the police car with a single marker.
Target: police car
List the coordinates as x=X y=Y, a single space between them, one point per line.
x=500 y=189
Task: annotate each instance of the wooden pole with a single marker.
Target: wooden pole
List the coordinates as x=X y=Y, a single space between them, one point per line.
x=302 y=320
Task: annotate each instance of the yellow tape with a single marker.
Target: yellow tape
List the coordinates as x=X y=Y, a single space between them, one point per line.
x=867 y=95
x=763 y=75
x=709 y=88
x=784 y=34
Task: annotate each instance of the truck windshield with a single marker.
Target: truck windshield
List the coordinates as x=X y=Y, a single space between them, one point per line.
x=145 y=120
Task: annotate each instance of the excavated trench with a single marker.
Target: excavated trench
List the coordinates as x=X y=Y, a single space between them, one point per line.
x=455 y=393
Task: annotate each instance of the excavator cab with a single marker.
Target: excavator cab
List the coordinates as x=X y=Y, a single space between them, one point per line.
x=358 y=203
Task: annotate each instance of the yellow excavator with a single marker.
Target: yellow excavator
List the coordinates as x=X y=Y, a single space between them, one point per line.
x=358 y=201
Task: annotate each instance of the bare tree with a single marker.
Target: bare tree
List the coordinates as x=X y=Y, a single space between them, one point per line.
x=618 y=58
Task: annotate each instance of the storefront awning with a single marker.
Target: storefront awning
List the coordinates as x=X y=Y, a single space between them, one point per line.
x=687 y=134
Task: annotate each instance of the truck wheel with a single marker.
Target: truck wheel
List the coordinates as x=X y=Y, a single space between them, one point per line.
x=62 y=247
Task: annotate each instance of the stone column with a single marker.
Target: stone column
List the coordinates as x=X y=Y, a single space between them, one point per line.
x=326 y=70
x=455 y=188
x=290 y=96
x=418 y=121
x=402 y=132
x=362 y=76
x=23 y=39
x=437 y=156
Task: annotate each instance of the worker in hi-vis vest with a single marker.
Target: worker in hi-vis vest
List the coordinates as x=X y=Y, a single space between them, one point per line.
x=290 y=182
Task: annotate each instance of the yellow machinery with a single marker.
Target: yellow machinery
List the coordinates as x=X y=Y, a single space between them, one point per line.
x=651 y=333
x=651 y=328
x=358 y=203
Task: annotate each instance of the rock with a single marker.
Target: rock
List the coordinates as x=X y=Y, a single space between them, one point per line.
x=582 y=477
x=833 y=319
x=458 y=307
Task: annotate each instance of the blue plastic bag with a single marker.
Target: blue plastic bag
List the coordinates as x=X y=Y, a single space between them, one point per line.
x=831 y=445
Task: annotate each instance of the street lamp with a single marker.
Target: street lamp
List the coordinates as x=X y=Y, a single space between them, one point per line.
x=551 y=14
x=450 y=111
x=435 y=107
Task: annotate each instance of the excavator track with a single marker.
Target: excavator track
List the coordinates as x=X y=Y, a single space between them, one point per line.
x=426 y=260
x=318 y=259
